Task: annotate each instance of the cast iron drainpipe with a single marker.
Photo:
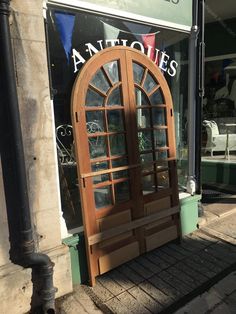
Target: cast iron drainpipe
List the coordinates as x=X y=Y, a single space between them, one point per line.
x=39 y=262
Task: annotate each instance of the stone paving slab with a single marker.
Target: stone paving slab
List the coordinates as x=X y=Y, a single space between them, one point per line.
x=164 y=279
x=159 y=279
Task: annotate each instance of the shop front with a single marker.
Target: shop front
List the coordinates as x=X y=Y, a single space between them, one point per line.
x=119 y=80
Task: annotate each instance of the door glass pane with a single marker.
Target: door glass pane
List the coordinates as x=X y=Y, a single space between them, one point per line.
x=161 y=165
x=122 y=191
x=163 y=180
x=141 y=98
x=97 y=147
x=149 y=83
x=115 y=98
x=112 y=69
x=145 y=140
x=146 y=160
x=99 y=80
x=99 y=166
x=162 y=154
x=138 y=73
x=93 y=99
x=102 y=196
x=94 y=121
x=143 y=118
x=158 y=116
x=148 y=184
x=160 y=138
x=157 y=98
x=115 y=120
x=117 y=144
x=120 y=163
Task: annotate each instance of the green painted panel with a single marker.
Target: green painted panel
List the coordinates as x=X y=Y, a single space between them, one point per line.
x=174 y=11
x=189 y=214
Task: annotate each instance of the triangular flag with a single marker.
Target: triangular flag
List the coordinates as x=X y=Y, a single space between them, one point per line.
x=149 y=41
x=65 y=25
x=110 y=32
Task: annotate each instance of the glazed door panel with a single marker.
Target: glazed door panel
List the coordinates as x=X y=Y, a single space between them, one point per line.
x=124 y=135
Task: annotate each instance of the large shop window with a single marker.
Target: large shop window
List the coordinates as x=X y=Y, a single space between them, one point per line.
x=76 y=36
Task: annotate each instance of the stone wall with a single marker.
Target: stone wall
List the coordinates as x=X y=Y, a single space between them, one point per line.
x=29 y=49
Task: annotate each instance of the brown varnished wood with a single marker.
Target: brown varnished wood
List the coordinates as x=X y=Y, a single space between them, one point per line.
x=137 y=203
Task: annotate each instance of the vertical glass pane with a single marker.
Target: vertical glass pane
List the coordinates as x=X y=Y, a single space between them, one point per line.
x=122 y=192
x=117 y=144
x=138 y=73
x=94 y=121
x=162 y=154
x=99 y=166
x=159 y=116
x=148 y=184
x=147 y=162
x=149 y=83
x=112 y=69
x=161 y=165
x=157 y=98
x=115 y=120
x=163 y=180
x=141 y=98
x=93 y=99
x=120 y=163
x=143 y=118
x=145 y=140
x=115 y=98
x=102 y=196
x=160 y=138
x=97 y=147
x=99 y=80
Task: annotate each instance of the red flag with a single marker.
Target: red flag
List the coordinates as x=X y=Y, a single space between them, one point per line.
x=149 y=43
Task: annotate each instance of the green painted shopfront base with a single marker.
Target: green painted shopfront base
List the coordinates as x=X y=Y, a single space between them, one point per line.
x=76 y=244
x=219 y=172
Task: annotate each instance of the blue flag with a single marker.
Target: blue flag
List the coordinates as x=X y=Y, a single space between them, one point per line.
x=65 y=25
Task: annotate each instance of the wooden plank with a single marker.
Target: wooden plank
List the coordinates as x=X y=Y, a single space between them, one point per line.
x=157 y=239
x=156 y=206
x=114 y=220
x=96 y=173
x=115 y=240
x=117 y=257
x=159 y=222
x=96 y=238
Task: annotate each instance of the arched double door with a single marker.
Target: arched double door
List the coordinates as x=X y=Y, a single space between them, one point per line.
x=124 y=135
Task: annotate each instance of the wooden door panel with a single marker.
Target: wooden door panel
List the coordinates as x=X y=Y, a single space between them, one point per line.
x=124 y=135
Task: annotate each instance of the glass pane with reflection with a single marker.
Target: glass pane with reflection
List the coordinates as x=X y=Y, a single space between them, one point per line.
x=160 y=139
x=115 y=98
x=145 y=140
x=141 y=98
x=93 y=99
x=112 y=69
x=143 y=118
x=149 y=83
x=138 y=71
x=100 y=166
x=120 y=163
x=157 y=98
x=95 y=121
x=159 y=116
x=117 y=144
x=161 y=154
x=122 y=192
x=163 y=180
x=115 y=120
x=97 y=147
x=100 y=81
x=148 y=184
x=102 y=196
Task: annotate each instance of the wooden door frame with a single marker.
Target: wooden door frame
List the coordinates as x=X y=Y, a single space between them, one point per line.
x=125 y=55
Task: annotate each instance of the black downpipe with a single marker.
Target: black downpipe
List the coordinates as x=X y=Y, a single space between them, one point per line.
x=40 y=263
x=200 y=90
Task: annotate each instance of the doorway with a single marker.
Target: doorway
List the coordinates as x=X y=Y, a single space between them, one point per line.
x=123 y=128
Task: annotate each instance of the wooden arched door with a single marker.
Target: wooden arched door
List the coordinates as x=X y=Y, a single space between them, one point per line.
x=124 y=134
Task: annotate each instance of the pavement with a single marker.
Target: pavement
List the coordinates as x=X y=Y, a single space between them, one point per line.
x=194 y=276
